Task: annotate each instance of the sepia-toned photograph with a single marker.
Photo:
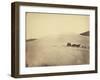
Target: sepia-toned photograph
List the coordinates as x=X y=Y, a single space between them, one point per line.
x=53 y=39
x=56 y=39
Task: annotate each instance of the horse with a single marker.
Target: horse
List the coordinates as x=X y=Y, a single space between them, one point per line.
x=69 y=44
x=75 y=45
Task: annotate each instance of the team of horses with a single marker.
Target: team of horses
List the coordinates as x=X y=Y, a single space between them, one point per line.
x=75 y=45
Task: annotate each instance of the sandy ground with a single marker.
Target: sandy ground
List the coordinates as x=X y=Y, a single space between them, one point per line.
x=52 y=51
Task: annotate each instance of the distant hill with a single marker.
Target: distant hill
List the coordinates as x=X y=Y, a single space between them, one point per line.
x=85 y=33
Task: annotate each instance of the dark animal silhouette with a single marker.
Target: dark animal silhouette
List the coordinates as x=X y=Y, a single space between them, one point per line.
x=75 y=45
x=69 y=44
x=72 y=45
x=84 y=47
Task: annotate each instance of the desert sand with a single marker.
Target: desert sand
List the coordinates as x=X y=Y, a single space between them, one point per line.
x=53 y=50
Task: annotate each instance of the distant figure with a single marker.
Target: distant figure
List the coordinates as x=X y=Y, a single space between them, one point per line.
x=84 y=46
x=69 y=44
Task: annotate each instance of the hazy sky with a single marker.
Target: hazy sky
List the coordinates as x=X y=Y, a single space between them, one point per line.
x=42 y=24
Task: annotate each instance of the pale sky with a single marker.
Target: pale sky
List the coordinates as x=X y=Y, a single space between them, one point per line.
x=42 y=24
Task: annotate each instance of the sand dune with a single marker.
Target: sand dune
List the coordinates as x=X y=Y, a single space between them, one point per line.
x=52 y=51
